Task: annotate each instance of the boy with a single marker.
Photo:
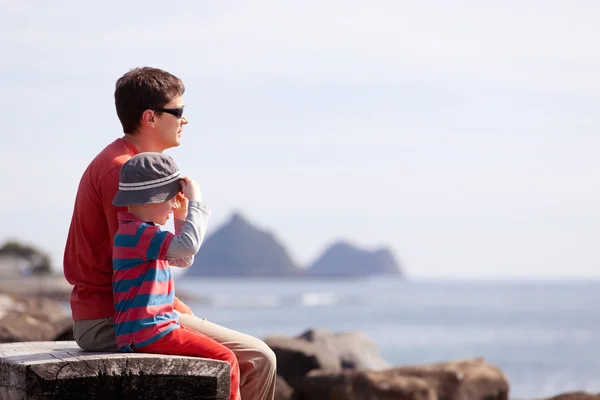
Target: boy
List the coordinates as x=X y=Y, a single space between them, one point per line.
x=145 y=319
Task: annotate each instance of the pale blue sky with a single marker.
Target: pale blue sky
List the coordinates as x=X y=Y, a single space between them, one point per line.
x=463 y=134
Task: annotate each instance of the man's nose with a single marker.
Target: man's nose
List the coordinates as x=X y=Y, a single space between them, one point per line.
x=184 y=120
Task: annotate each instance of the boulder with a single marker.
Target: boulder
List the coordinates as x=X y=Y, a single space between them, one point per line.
x=354 y=349
x=369 y=385
x=297 y=357
x=362 y=385
x=576 y=396
x=26 y=318
x=283 y=391
x=471 y=379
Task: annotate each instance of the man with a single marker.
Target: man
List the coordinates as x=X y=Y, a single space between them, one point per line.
x=150 y=105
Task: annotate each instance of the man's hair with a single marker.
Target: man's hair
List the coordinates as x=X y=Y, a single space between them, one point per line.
x=144 y=89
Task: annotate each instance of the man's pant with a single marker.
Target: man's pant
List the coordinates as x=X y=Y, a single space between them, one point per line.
x=256 y=360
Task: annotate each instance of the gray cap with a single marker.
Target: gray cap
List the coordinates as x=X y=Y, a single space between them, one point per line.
x=148 y=178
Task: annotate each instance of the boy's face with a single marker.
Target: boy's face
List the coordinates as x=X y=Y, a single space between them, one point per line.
x=168 y=126
x=159 y=212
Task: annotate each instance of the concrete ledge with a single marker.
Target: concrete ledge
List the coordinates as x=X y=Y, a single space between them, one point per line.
x=61 y=370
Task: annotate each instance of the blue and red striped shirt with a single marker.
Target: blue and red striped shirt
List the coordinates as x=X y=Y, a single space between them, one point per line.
x=142 y=283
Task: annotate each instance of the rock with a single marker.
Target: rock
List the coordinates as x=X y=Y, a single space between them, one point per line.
x=325 y=385
x=370 y=385
x=60 y=370
x=283 y=391
x=32 y=318
x=576 y=396
x=354 y=349
x=344 y=259
x=297 y=357
x=361 y=385
x=240 y=249
x=471 y=379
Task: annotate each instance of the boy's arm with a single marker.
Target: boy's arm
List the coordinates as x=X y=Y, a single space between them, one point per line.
x=199 y=213
x=183 y=261
x=189 y=235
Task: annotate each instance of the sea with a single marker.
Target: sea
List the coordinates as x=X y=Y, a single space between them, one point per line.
x=544 y=335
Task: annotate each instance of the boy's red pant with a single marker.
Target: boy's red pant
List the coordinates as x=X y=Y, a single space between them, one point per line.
x=187 y=342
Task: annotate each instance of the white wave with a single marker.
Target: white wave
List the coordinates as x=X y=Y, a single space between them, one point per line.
x=318 y=299
x=306 y=299
x=249 y=301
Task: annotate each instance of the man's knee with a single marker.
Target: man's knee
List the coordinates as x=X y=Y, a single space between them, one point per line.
x=229 y=356
x=268 y=358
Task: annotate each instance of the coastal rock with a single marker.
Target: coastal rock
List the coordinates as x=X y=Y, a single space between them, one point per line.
x=31 y=318
x=354 y=349
x=362 y=385
x=471 y=379
x=297 y=357
x=322 y=365
x=576 y=396
x=371 y=385
x=240 y=249
x=283 y=391
x=344 y=259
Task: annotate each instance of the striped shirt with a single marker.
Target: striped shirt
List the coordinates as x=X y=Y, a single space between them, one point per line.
x=142 y=283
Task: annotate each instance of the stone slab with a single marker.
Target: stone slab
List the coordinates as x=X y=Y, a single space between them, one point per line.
x=61 y=370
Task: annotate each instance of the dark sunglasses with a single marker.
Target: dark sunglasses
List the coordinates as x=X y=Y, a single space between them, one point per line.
x=177 y=112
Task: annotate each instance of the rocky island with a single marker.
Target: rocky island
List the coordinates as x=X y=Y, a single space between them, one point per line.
x=345 y=259
x=239 y=248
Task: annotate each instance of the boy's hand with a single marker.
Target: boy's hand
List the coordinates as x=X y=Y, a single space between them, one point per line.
x=191 y=189
x=181 y=206
x=181 y=307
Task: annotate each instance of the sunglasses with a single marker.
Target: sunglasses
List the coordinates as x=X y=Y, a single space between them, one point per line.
x=177 y=112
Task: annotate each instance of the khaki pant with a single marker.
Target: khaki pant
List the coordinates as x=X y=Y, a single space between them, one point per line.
x=256 y=360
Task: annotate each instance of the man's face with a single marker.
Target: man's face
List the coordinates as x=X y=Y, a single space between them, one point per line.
x=168 y=126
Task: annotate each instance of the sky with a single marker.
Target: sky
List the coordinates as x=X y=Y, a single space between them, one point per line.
x=463 y=135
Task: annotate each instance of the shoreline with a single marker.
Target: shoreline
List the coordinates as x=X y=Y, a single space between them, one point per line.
x=56 y=287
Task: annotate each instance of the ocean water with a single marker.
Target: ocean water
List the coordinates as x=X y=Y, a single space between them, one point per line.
x=545 y=336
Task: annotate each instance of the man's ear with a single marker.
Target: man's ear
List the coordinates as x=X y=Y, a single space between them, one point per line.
x=148 y=118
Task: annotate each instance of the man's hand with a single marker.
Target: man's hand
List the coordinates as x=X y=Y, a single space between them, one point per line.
x=181 y=206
